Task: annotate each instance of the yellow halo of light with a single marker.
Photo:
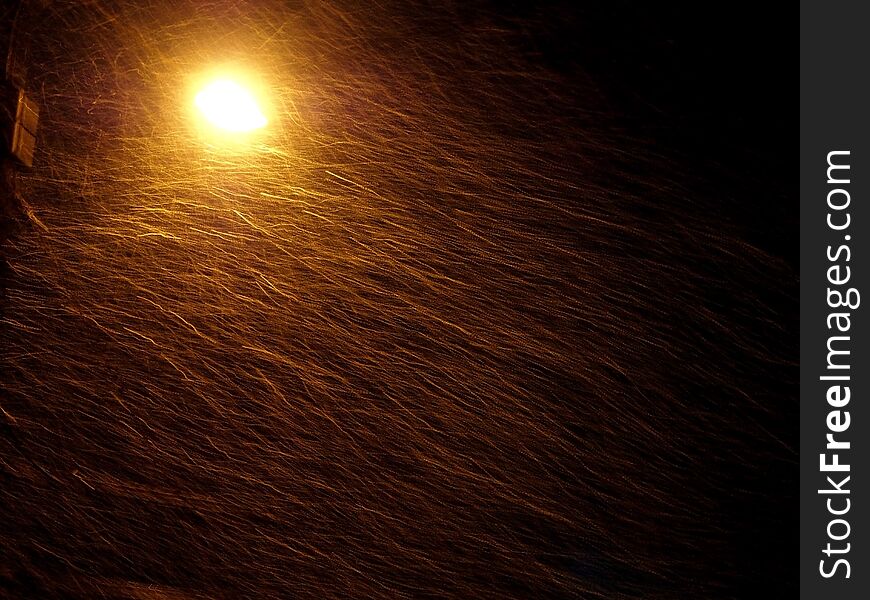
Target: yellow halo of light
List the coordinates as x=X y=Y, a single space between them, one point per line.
x=229 y=106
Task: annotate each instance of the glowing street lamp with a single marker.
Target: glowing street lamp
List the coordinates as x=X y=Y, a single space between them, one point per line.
x=230 y=107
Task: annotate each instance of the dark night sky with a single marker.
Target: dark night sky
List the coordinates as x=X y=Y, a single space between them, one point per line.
x=713 y=82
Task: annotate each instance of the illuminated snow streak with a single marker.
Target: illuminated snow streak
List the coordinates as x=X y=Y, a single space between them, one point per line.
x=429 y=343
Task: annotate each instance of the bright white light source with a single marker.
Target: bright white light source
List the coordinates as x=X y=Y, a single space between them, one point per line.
x=227 y=105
